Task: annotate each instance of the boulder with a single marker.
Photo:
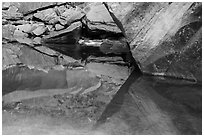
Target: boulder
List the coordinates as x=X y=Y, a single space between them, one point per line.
x=37 y=41
x=46 y=15
x=27 y=28
x=98 y=18
x=59 y=27
x=152 y=31
x=41 y=29
x=22 y=37
x=72 y=15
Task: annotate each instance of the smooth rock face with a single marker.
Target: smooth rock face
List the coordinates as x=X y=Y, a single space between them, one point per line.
x=39 y=30
x=10 y=53
x=155 y=35
x=28 y=7
x=34 y=58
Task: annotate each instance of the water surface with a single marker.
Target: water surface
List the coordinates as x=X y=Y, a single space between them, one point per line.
x=143 y=105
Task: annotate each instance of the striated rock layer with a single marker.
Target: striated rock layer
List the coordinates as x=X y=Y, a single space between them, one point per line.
x=164 y=37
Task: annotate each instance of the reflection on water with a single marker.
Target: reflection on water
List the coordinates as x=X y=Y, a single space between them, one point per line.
x=23 y=78
x=143 y=105
x=147 y=105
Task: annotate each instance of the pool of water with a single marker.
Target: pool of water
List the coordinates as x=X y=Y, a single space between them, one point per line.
x=143 y=104
x=151 y=105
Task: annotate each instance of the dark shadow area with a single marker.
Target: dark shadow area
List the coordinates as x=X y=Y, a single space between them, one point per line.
x=117 y=99
x=149 y=105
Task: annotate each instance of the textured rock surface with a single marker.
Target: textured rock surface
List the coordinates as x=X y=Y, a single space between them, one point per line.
x=99 y=19
x=10 y=55
x=149 y=31
x=35 y=58
x=25 y=7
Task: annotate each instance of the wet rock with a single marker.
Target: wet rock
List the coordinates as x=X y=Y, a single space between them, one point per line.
x=149 y=27
x=41 y=29
x=109 y=60
x=99 y=18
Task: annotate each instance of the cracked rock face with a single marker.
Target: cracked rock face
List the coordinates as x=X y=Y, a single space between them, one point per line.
x=156 y=31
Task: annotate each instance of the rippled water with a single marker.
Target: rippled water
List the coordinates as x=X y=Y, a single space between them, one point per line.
x=143 y=105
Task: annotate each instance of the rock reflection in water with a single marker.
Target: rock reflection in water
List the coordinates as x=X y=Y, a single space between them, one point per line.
x=148 y=105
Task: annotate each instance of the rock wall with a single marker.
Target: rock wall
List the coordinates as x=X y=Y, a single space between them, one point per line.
x=161 y=35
